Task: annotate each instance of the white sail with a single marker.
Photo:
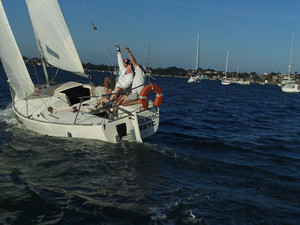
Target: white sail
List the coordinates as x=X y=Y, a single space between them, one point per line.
x=53 y=36
x=12 y=60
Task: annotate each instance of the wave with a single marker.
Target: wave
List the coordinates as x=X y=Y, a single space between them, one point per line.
x=8 y=117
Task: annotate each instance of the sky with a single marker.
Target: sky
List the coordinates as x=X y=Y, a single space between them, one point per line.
x=257 y=33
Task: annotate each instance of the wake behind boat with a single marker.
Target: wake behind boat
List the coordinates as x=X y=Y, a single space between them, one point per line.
x=65 y=110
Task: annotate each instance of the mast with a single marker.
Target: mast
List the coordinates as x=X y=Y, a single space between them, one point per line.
x=291 y=54
x=148 y=62
x=42 y=58
x=197 y=55
x=226 y=64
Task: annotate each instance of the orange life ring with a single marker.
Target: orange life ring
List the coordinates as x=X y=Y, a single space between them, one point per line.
x=144 y=95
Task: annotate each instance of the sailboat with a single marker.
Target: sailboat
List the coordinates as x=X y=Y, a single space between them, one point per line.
x=290 y=85
x=225 y=80
x=63 y=109
x=195 y=78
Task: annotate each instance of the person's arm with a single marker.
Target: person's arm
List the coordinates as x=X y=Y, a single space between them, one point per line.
x=122 y=68
x=132 y=59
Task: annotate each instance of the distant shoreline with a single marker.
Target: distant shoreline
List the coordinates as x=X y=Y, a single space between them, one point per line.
x=260 y=81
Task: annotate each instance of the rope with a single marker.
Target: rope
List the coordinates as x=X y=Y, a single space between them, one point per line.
x=52 y=79
x=41 y=98
x=64 y=110
x=98 y=37
x=36 y=74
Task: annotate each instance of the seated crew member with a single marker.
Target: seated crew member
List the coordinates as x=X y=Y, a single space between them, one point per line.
x=125 y=77
x=137 y=84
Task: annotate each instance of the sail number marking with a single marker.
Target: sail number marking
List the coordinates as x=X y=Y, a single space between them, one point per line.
x=147 y=122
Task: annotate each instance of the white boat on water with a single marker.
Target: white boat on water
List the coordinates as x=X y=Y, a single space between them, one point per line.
x=64 y=110
x=243 y=82
x=290 y=85
x=226 y=80
x=196 y=78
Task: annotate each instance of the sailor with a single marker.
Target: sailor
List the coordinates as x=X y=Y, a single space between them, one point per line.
x=125 y=77
x=137 y=84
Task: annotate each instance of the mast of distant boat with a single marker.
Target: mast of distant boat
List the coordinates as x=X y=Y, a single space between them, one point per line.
x=226 y=64
x=197 y=56
x=291 y=54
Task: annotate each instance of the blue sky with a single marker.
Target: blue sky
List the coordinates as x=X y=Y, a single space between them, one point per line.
x=257 y=33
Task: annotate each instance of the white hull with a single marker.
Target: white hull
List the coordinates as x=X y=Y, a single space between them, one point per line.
x=108 y=132
x=131 y=122
x=243 y=82
x=291 y=88
x=193 y=80
x=226 y=82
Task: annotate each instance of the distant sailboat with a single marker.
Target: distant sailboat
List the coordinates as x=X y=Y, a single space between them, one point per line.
x=64 y=110
x=225 y=80
x=195 y=78
x=290 y=85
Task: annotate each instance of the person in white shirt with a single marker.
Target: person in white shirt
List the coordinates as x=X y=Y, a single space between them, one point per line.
x=137 y=84
x=124 y=80
x=125 y=72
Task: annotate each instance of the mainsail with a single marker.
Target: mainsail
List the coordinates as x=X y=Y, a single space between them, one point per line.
x=12 y=60
x=53 y=36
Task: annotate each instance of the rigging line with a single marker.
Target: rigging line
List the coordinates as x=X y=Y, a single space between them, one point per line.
x=52 y=79
x=63 y=110
x=100 y=41
x=41 y=98
x=98 y=37
x=36 y=74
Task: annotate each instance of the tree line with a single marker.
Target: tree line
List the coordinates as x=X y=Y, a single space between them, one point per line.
x=174 y=71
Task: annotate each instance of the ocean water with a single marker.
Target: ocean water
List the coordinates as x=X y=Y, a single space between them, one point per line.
x=222 y=155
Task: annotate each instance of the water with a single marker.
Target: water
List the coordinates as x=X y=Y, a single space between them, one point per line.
x=222 y=155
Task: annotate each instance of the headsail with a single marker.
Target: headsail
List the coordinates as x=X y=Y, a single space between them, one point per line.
x=53 y=36
x=12 y=60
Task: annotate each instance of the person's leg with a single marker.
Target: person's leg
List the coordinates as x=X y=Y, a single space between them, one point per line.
x=107 y=84
x=114 y=93
x=121 y=100
x=131 y=99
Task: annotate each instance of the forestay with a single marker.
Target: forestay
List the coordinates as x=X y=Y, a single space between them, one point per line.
x=12 y=60
x=53 y=36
